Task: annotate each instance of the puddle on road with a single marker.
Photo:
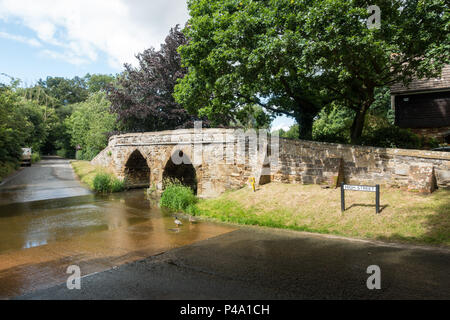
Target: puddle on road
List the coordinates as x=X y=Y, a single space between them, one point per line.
x=39 y=240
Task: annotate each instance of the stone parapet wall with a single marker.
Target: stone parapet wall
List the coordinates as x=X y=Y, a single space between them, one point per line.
x=315 y=162
x=182 y=136
x=221 y=159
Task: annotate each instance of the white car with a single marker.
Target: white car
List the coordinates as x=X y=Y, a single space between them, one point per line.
x=26 y=157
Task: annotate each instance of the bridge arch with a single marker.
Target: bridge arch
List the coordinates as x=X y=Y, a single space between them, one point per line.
x=137 y=171
x=179 y=167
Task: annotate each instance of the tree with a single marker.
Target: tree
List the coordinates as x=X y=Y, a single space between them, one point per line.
x=333 y=124
x=37 y=131
x=412 y=42
x=90 y=124
x=252 y=116
x=64 y=91
x=57 y=95
x=142 y=98
x=246 y=53
x=98 y=82
x=291 y=133
x=22 y=124
x=12 y=125
x=295 y=57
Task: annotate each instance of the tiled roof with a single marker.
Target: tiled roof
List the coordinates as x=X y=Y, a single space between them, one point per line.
x=425 y=84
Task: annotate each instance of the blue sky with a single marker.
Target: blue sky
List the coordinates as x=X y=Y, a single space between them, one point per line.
x=29 y=63
x=74 y=37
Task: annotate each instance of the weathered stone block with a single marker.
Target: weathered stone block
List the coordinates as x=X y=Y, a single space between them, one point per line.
x=421 y=178
x=442 y=178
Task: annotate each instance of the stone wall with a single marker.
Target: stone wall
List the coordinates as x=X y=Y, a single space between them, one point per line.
x=215 y=172
x=220 y=166
x=315 y=162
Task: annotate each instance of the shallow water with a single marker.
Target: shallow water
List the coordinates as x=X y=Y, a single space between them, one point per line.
x=40 y=239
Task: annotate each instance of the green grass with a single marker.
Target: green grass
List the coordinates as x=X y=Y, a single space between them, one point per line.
x=233 y=212
x=96 y=178
x=35 y=157
x=406 y=217
x=178 y=197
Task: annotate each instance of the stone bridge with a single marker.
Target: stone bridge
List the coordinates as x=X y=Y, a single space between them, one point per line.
x=212 y=161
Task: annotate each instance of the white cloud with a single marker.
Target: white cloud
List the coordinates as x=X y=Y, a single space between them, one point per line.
x=30 y=41
x=70 y=58
x=79 y=30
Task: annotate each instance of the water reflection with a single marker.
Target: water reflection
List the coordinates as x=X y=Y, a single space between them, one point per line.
x=34 y=243
x=131 y=218
x=38 y=240
x=26 y=225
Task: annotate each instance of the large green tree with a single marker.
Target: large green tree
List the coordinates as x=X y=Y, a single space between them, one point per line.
x=98 y=82
x=58 y=95
x=64 y=90
x=243 y=53
x=39 y=121
x=12 y=121
x=143 y=98
x=412 y=42
x=285 y=55
x=22 y=123
x=90 y=124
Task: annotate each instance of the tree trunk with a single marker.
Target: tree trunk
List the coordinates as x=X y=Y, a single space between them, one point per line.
x=358 y=124
x=305 y=122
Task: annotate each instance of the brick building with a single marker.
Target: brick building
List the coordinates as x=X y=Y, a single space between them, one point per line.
x=424 y=106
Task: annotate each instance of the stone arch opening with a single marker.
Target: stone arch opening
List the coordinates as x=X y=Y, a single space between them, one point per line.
x=137 y=172
x=184 y=172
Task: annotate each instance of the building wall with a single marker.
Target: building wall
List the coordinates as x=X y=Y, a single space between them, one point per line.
x=426 y=124
x=426 y=110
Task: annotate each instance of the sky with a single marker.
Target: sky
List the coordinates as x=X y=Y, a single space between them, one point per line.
x=74 y=37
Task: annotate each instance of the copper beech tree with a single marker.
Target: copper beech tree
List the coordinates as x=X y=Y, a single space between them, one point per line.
x=142 y=97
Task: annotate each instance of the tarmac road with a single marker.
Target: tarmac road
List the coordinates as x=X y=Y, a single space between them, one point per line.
x=255 y=263
x=50 y=178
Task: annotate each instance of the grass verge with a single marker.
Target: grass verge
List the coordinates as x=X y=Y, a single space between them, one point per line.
x=96 y=178
x=405 y=216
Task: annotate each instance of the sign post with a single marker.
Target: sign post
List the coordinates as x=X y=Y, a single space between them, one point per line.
x=377 y=198
x=350 y=187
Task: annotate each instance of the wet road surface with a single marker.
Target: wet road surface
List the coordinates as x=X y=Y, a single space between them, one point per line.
x=254 y=263
x=51 y=178
x=48 y=221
